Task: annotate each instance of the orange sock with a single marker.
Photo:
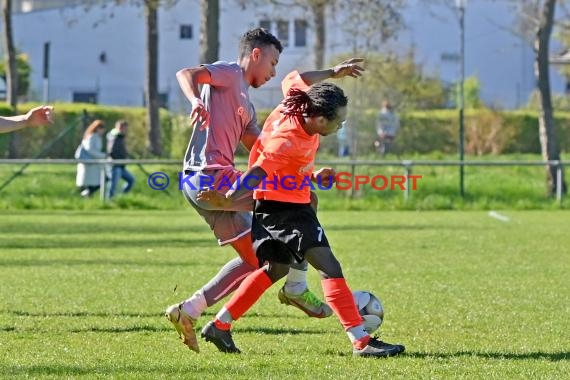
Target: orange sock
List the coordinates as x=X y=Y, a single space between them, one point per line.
x=221 y=325
x=339 y=297
x=249 y=291
x=359 y=344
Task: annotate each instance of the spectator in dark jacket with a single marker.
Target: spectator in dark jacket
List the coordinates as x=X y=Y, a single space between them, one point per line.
x=117 y=150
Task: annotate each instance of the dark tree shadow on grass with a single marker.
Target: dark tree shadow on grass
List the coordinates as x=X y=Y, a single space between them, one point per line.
x=82 y=314
x=399 y=227
x=118 y=314
x=550 y=356
x=68 y=371
x=126 y=329
x=166 y=243
x=279 y=331
x=99 y=262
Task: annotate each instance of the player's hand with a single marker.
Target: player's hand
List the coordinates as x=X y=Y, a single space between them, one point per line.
x=325 y=177
x=39 y=116
x=199 y=117
x=214 y=198
x=349 y=68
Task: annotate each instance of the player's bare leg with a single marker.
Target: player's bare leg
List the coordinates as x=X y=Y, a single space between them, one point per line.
x=184 y=315
x=296 y=293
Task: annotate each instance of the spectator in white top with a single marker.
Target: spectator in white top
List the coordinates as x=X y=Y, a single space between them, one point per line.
x=88 y=177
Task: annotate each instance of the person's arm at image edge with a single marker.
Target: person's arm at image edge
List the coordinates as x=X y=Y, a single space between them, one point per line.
x=36 y=117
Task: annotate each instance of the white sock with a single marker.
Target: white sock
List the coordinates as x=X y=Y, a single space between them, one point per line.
x=356 y=333
x=296 y=281
x=195 y=305
x=224 y=316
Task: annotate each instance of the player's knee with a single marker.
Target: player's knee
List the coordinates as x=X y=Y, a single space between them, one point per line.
x=324 y=261
x=332 y=269
x=245 y=251
x=303 y=265
x=276 y=271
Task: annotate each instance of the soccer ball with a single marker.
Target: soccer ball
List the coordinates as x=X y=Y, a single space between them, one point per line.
x=370 y=308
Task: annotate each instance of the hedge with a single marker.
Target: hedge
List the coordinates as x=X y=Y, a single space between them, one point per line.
x=486 y=131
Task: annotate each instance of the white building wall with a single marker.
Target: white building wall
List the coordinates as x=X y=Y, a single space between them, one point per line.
x=234 y=22
x=501 y=62
x=497 y=57
x=78 y=39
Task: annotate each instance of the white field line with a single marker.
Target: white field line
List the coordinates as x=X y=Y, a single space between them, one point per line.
x=496 y=215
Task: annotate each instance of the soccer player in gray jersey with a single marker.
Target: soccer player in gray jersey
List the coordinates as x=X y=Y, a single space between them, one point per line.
x=223 y=117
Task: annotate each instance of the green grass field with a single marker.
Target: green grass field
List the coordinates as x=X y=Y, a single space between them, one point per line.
x=472 y=297
x=43 y=187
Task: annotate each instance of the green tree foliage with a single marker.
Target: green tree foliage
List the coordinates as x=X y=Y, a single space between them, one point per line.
x=24 y=71
x=399 y=79
x=560 y=102
x=472 y=92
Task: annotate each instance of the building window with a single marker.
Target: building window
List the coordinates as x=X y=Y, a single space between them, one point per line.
x=283 y=32
x=85 y=97
x=2 y=89
x=300 y=33
x=280 y=29
x=265 y=24
x=185 y=32
x=163 y=100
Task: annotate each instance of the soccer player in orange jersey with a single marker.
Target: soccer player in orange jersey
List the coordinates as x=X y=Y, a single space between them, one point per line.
x=285 y=227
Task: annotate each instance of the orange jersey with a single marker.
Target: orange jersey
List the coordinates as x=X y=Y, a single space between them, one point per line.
x=286 y=153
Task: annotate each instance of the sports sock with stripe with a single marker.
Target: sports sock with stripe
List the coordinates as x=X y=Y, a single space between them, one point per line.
x=249 y=291
x=339 y=297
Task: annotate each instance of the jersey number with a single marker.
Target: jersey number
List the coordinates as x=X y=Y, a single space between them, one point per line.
x=320 y=237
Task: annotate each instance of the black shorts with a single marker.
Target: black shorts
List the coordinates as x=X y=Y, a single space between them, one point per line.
x=283 y=232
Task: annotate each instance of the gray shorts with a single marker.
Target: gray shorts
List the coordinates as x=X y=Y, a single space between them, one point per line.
x=228 y=224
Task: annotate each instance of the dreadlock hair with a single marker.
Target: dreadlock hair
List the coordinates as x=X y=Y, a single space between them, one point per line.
x=322 y=99
x=257 y=38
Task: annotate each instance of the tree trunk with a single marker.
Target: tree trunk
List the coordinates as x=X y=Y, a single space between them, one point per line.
x=549 y=144
x=318 y=9
x=209 y=30
x=11 y=72
x=152 y=99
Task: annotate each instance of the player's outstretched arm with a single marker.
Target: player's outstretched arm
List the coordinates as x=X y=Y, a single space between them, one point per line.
x=35 y=117
x=189 y=80
x=350 y=67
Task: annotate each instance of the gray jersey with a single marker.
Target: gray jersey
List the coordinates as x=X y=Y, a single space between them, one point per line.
x=231 y=116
